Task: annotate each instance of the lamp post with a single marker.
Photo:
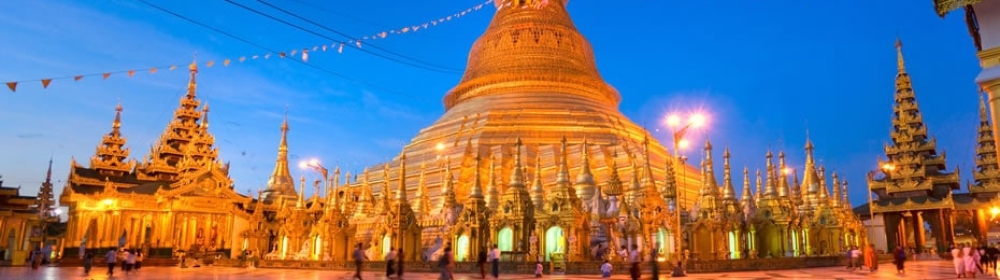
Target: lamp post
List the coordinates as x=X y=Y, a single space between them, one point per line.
x=678 y=130
x=314 y=164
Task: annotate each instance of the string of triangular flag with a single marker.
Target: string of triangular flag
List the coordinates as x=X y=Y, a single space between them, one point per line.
x=303 y=53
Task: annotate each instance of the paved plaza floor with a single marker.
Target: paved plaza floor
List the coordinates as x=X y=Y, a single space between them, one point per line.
x=915 y=270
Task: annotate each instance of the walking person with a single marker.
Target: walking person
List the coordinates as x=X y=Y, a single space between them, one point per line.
x=399 y=263
x=111 y=258
x=481 y=261
x=390 y=259
x=445 y=263
x=958 y=261
x=900 y=256
x=635 y=260
x=139 y=256
x=971 y=260
x=495 y=259
x=359 y=259
x=871 y=259
x=88 y=262
x=654 y=267
x=129 y=261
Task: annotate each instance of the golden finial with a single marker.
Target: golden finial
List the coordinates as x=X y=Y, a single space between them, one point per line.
x=982 y=107
x=899 y=55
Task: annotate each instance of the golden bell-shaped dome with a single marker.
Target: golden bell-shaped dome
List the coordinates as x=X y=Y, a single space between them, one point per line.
x=532 y=47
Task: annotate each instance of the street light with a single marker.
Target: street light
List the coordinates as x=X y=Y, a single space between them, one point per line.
x=314 y=165
x=678 y=129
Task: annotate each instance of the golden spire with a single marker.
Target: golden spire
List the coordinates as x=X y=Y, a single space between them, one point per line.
x=300 y=202
x=111 y=157
x=635 y=191
x=562 y=176
x=448 y=199
x=899 y=55
x=670 y=182
x=810 y=179
x=517 y=175
x=747 y=201
x=183 y=130
x=546 y=36
x=711 y=186
x=844 y=198
x=401 y=192
x=281 y=183
x=492 y=192
x=782 y=177
x=758 y=194
x=824 y=191
x=647 y=175
x=537 y=192
x=423 y=201
x=614 y=186
x=585 y=185
x=729 y=192
x=476 y=193
x=984 y=177
x=769 y=186
x=835 y=200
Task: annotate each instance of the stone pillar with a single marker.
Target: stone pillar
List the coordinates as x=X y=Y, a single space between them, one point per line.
x=918 y=234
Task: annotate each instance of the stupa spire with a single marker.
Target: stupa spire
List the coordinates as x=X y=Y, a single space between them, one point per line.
x=111 y=157
x=280 y=183
x=183 y=130
x=477 y=187
x=492 y=192
x=44 y=200
x=517 y=175
x=747 y=200
x=770 y=187
x=835 y=200
x=448 y=200
x=423 y=200
x=537 y=191
x=728 y=192
x=984 y=176
x=585 y=185
x=401 y=191
x=711 y=186
x=783 y=175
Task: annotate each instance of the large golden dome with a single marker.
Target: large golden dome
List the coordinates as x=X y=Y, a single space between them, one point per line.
x=531 y=75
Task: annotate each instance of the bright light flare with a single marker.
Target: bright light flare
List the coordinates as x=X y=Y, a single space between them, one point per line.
x=673 y=120
x=107 y=201
x=313 y=162
x=59 y=211
x=697 y=120
x=995 y=211
x=683 y=144
x=787 y=170
x=303 y=165
x=888 y=167
x=439 y=147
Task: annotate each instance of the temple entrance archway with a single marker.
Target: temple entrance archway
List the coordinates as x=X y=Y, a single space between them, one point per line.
x=505 y=239
x=553 y=241
x=462 y=252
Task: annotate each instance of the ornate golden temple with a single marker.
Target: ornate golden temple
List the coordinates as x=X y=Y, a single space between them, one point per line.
x=532 y=154
x=915 y=204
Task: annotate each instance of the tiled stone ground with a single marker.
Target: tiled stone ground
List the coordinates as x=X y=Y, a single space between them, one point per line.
x=935 y=269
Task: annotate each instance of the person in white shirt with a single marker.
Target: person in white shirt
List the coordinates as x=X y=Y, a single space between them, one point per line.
x=606 y=269
x=390 y=259
x=856 y=257
x=129 y=261
x=111 y=258
x=495 y=259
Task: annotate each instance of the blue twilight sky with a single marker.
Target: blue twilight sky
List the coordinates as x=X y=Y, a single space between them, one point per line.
x=764 y=70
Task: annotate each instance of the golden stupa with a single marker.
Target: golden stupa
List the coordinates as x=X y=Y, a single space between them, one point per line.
x=533 y=75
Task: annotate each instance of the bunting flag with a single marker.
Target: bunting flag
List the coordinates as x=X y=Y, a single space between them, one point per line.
x=304 y=53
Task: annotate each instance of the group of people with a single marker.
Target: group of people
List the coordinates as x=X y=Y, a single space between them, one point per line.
x=859 y=259
x=969 y=260
x=130 y=260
